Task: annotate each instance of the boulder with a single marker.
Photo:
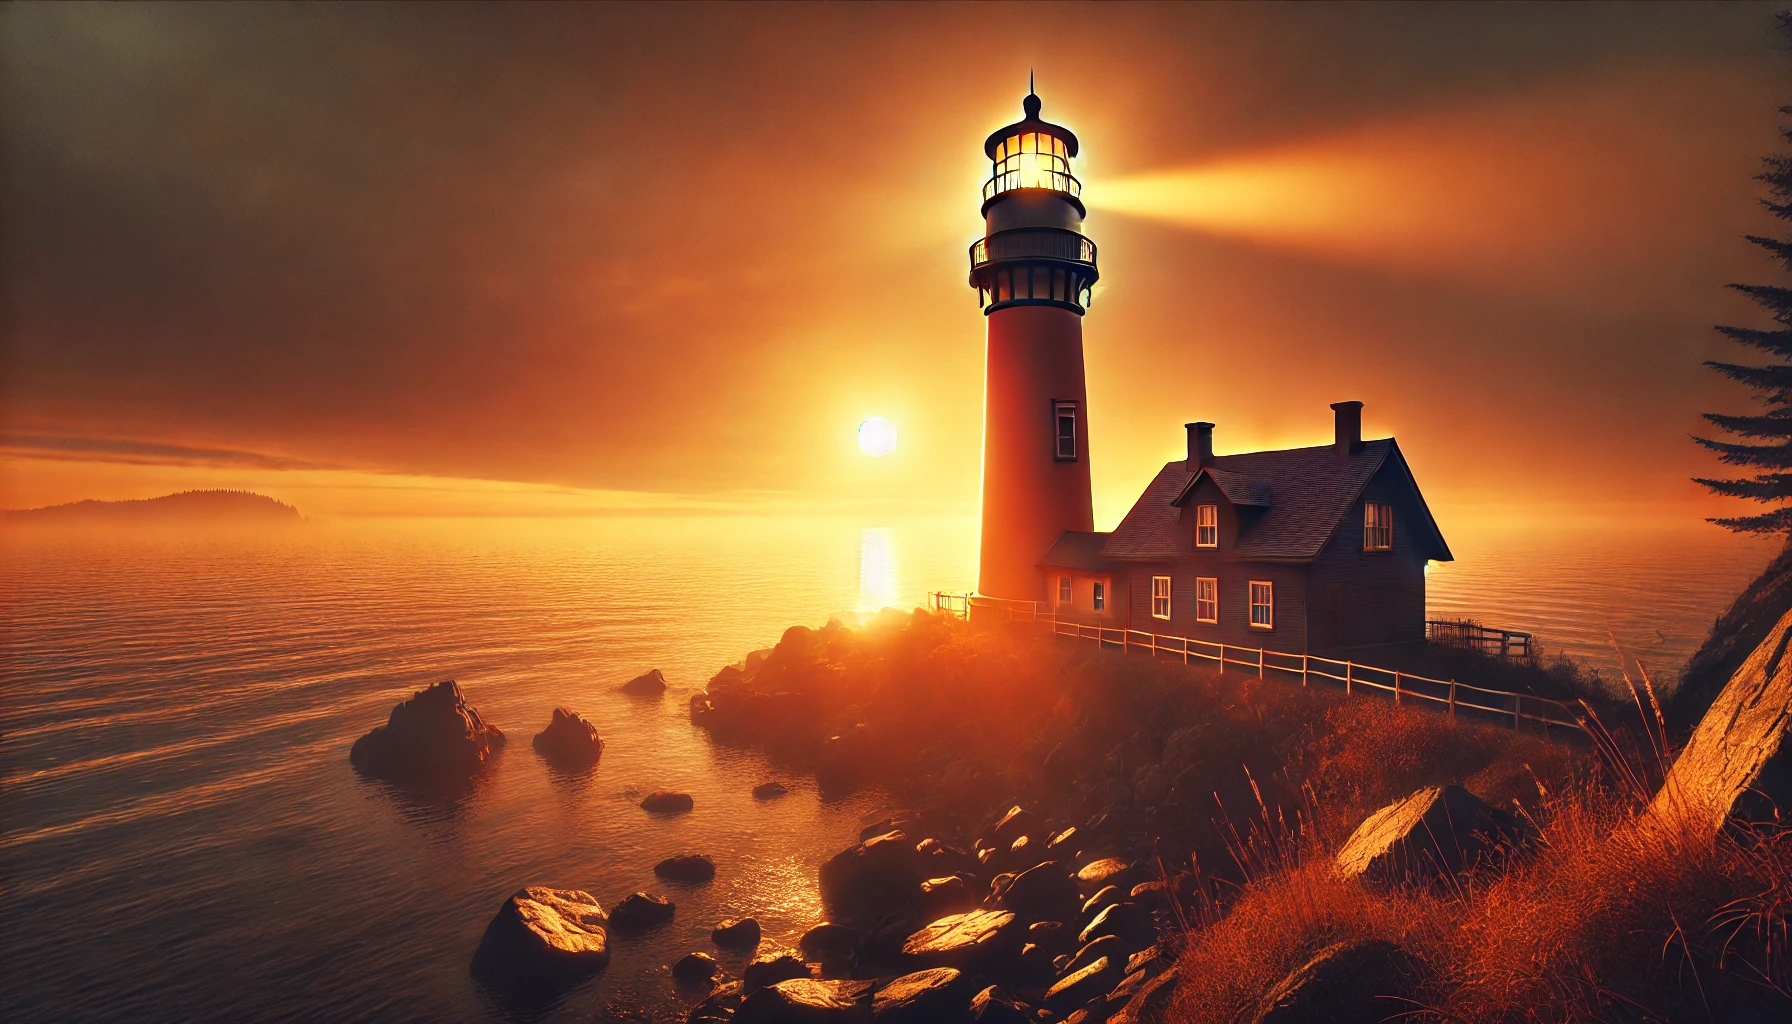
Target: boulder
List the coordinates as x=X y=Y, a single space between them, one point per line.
x=1016 y=823
x=1050 y=935
x=1080 y=986
x=940 y=995
x=1063 y=845
x=1737 y=766
x=994 y=1006
x=719 y=1008
x=1043 y=891
x=828 y=941
x=1155 y=895
x=648 y=684
x=1111 y=946
x=569 y=741
x=1099 y=874
x=662 y=801
x=807 y=1001
x=543 y=936
x=639 y=910
x=435 y=738
x=883 y=943
x=1107 y=897
x=1148 y=1003
x=696 y=968
x=686 y=867
x=1022 y=854
x=772 y=968
x=873 y=877
x=1432 y=833
x=1148 y=959
x=1362 y=982
x=942 y=896
x=735 y=934
x=1131 y=922
x=962 y=940
x=769 y=791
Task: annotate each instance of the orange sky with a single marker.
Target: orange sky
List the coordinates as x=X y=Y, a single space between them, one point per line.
x=560 y=259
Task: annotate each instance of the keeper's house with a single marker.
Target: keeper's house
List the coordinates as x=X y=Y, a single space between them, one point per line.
x=1309 y=549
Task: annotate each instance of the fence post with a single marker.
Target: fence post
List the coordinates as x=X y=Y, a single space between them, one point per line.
x=1452 y=698
x=1261 y=658
x=1349 y=673
x=1222 y=659
x=1303 y=671
x=1185 y=650
x=1396 y=688
x=1517 y=710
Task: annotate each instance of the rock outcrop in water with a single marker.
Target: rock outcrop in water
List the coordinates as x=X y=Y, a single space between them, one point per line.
x=686 y=867
x=569 y=741
x=648 y=684
x=662 y=801
x=543 y=936
x=435 y=738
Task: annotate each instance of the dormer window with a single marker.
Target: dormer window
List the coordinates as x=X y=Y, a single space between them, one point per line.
x=1207 y=526
x=1378 y=527
x=1064 y=427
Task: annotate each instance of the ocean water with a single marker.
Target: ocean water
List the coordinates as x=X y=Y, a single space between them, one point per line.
x=182 y=837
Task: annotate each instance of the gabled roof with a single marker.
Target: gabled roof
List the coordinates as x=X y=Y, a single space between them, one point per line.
x=1304 y=493
x=1238 y=488
x=1076 y=549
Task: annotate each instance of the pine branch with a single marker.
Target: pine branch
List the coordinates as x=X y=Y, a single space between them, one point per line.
x=1781 y=251
x=1774 y=299
x=1761 y=456
x=1777 y=342
x=1766 y=487
x=1774 y=424
x=1777 y=521
x=1774 y=379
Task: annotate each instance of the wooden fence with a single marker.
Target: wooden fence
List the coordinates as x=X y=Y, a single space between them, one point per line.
x=1505 y=644
x=1448 y=695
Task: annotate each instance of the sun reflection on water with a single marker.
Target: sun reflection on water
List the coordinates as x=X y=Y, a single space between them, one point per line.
x=878 y=583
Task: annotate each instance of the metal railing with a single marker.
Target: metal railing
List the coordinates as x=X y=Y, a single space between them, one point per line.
x=1505 y=644
x=1008 y=181
x=1033 y=243
x=1407 y=689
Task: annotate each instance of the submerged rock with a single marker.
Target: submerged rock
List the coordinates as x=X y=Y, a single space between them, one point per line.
x=648 y=684
x=872 y=877
x=686 y=867
x=1431 y=833
x=769 y=790
x=828 y=941
x=1738 y=765
x=1346 y=983
x=641 y=910
x=569 y=740
x=667 y=802
x=695 y=968
x=543 y=936
x=435 y=737
x=772 y=968
x=735 y=934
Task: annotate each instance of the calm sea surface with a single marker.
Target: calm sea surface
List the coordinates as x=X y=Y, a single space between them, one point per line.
x=182 y=837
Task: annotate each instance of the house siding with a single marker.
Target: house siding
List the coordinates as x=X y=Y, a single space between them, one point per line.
x=1082 y=596
x=1359 y=597
x=1289 y=634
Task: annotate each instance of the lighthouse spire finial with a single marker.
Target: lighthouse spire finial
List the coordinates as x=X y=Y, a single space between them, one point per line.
x=1031 y=103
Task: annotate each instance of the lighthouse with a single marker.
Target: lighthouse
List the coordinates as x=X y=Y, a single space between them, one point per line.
x=1033 y=270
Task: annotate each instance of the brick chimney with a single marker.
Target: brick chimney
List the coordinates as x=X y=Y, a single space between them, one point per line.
x=1200 y=444
x=1348 y=418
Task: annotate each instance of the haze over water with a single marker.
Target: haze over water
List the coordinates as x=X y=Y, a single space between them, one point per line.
x=183 y=836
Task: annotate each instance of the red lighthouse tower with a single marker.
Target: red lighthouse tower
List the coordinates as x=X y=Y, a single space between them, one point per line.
x=1032 y=269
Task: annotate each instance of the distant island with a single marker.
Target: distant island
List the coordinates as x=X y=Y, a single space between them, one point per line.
x=213 y=507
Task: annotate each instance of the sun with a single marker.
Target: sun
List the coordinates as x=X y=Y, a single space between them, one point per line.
x=877 y=437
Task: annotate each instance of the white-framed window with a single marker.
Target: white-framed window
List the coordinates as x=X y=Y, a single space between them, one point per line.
x=1100 y=601
x=1064 y=430
x=1064 y=591
x=1263 y=604
x=1160 y=597
x=1207 y=599
x=1207 y=526
x=1378 y=527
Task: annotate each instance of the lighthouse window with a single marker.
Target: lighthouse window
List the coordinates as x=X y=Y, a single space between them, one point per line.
x=1064 y=420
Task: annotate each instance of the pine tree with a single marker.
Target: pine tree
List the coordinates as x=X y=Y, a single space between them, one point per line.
x=1765 y=444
